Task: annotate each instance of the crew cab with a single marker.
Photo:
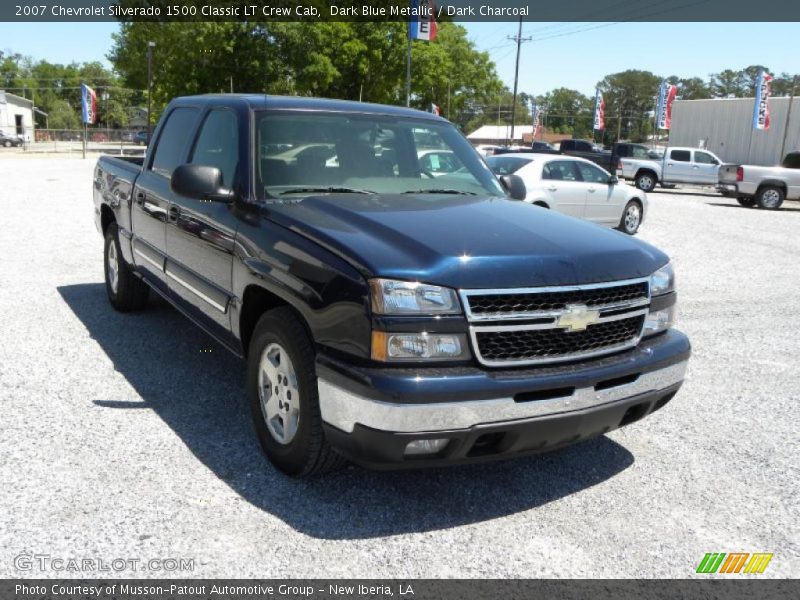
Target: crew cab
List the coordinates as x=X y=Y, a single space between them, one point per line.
x=386 y=315
x=679 y=165
x=766 y=187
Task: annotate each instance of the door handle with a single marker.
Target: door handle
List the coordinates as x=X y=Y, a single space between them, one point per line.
x=695 y=167
x=670 y=165
x=552 y=189
x=140 y=197
x=173 y=213
x=591 y=190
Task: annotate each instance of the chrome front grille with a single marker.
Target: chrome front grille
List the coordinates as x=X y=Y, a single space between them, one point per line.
x=550 y=324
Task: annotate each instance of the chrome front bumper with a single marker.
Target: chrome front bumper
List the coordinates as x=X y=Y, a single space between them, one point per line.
x=344 y=410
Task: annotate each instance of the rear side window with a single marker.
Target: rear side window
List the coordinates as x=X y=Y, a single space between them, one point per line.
x=218 y=144
x=172 y=141
x=506 y=165
x=567 y=145
x=681 y=155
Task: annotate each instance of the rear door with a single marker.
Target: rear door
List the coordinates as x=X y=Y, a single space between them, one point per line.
x=200 y=233
x=565 y=190
x=151 y=194
x=677 y=166
x=705 y=168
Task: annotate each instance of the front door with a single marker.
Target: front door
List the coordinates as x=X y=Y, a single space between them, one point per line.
x=603 y=199
x=152 y=193
x=677 y=166
x=201 y=233
x=705 y=167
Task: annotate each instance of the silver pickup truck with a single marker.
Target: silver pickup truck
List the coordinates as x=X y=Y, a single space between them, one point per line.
x=678 y=165
x=766 y=187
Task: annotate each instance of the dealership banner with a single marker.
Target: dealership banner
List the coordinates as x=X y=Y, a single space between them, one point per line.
x=88 y=104
x=535 y=121
x=422 y=20
x=761 y=107
x=666 y=97
x=599 y=110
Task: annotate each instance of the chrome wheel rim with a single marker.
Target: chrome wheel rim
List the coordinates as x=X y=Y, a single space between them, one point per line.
x=278 y=393
x=646 y=183
x=770 y=198
x=632 y=218
x=113 y=267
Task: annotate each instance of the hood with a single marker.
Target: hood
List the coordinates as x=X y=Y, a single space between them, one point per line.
x=465 y=241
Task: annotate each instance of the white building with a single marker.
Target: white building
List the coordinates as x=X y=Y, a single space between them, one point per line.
x=725 y=126
x=16 y=115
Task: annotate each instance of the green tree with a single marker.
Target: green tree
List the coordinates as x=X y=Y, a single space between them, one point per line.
x=630 y=99
x=568 y=111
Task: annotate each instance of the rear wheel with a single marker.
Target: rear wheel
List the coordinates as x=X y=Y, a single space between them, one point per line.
x=284 y=401
x=770 y=197
x=126 y=292
x=7 y=144
x=631 y=218
x=746 y=201
x=646 y=181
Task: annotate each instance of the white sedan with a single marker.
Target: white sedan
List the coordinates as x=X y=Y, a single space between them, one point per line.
x=576 y=187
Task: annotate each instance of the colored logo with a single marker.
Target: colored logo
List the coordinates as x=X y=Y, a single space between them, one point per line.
x=734 y=562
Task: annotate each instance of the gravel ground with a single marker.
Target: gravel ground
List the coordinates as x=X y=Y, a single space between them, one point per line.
x=127 y=436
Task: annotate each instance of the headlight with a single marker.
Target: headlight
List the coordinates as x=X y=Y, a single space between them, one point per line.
x=662 y=281
x=390 y=297
x=389 y=347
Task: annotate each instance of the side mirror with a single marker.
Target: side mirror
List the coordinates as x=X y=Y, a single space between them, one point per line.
x=514 y=186
x=613 y=180
x=201 y=182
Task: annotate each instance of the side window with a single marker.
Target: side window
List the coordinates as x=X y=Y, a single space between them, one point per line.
x=567 y=145
x=560 y=170
x=639 y=152
x=592 y=174
x=217 y=144
x=172 y=141
x=583 y=146
x=704 y=158
x=680 y=155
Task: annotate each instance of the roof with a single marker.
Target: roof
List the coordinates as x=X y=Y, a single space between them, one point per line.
x=6 y=96
x=499 y=132
x=265 y=101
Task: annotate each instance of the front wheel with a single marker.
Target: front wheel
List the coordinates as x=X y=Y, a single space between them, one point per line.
x=746 y=201
x=126 y=292
x=631 y=218
x=284 y=401
x=7 y=144
x=646 y=182
x=770 y=197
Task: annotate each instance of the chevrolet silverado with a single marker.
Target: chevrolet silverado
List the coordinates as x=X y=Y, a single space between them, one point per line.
x=386 y=315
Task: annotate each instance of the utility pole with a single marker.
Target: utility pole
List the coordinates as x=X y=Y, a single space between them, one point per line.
x=150 y=46
x=619 y=117
x=519 y=39
x=788 y=116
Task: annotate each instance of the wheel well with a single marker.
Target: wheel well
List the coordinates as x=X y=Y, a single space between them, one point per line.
x=255 y=302
x=106 y=217
x=648 y=172
x=540 y=203
x=777 y=184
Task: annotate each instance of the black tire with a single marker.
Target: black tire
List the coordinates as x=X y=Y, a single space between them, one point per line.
x=307 y=452
x=131 y=292
x=646 y=181
x=631 y=217
x=7 y=144
x=770 y=197
x=746 y=201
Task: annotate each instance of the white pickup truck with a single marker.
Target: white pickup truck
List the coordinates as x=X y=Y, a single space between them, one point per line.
x=679 y=165
x=766 y=187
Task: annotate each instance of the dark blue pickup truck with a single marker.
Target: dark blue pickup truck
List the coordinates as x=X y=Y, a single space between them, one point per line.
x=390 y=312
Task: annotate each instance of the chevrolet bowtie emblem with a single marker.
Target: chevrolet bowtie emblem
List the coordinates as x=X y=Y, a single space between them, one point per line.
x=577 y=317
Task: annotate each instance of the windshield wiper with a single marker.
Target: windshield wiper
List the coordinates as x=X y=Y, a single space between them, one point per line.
x=328 y=190
x=440 y=191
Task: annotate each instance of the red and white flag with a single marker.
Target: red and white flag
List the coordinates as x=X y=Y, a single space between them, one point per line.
x=666 y=96
x=599 y=110
x=761 y=108
x=435 y=109
x=422 y=23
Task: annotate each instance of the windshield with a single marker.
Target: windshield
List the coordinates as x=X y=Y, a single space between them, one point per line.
x=506 y=165
x=301 y=153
